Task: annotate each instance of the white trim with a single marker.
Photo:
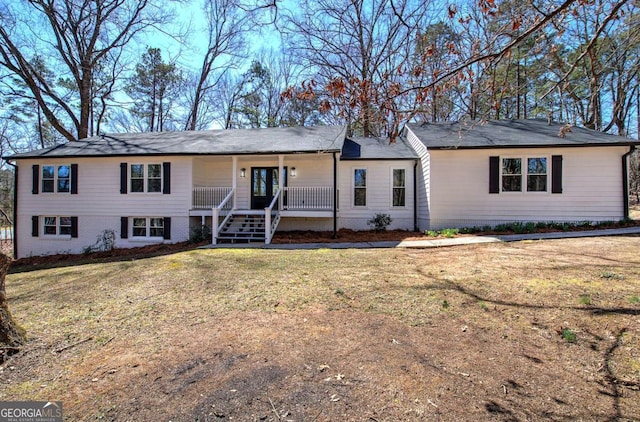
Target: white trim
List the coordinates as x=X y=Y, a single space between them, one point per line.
x=353 y=187
x=147 y=227
x=524 y=174
x=145 y=178
x=56 y=167
x=392 y=187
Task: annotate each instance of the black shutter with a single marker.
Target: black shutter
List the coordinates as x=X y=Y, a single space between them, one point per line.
x=74 y=179
x=167 y=228
x=494 y=174
x=124 y=227
x=35 y=226
x=123 y=178
x=166 y=177
x=36 y=179
x=74 y=226
x=556 y=174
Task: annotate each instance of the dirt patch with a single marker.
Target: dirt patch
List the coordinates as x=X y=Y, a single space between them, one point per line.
x=468 y=333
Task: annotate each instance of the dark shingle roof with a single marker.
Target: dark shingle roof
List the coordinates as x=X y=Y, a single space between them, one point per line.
x=510 y=134
x=211 y=142
x=377 y=149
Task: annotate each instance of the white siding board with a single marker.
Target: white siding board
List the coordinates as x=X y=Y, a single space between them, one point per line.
x=592 y=188
x=99 y=203
x=423 y=180
x=379 y=194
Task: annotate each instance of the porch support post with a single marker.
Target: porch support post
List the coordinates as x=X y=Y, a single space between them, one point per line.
x=281 y=179
x=234 y=179
x=214 y=225
x=335 y=196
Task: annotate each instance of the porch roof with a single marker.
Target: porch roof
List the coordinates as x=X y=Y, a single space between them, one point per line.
x=534 y=133
x=289 y=140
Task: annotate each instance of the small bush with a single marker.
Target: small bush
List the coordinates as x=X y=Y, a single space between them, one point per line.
x=432 y=233
x=380 y=221
x=199 y=234
x=635 y=300
x=449 y=233
x=585 y=299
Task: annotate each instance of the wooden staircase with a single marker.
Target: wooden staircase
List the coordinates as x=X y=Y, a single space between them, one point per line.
x=243 y=227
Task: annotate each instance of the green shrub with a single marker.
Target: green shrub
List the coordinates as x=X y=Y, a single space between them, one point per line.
x=199 y=234
x=449 y=233
x=380 y=221
x=569 y=335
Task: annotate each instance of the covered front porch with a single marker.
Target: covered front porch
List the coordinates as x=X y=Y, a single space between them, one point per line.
x=249 y=196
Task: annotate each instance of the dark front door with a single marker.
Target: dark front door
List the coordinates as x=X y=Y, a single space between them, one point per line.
x=264 y=184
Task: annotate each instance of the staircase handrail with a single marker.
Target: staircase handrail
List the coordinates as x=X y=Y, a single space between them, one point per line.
x=215 y=213
x=268 y=230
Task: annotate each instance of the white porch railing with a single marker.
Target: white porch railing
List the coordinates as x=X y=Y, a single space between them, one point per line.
x=308 y=198
x=208 y=197
x=271 y=217
x=224 y=208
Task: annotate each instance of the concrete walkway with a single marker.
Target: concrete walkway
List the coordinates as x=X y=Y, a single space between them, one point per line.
x=439 y=243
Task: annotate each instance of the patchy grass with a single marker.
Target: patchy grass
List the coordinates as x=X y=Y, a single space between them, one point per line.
x=457 y=333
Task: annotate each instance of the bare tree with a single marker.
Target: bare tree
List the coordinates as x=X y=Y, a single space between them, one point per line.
x=228 y=24
x=77 y=36
x=357 y=52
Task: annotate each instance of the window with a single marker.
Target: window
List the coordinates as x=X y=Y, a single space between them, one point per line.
x=511 y=175
x=152 y=173
x=148 y=227
x=535 y=174
x=56 y=179
x=54 y=226
x=398 y=187
x=360 y=188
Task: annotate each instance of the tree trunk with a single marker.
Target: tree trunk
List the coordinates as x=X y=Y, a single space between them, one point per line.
x=12 y=336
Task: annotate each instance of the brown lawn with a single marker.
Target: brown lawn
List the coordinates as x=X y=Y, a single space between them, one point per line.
x=518 y=331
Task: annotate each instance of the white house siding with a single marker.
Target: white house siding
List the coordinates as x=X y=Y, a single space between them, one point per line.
x=592 y=188
x=423 y=180
x=99 y=203
x=379 y=194
x=212 y=171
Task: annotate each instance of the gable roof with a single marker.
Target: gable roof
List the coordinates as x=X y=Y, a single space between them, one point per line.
x=535 y=133
x=377 y=149
x=289 y=140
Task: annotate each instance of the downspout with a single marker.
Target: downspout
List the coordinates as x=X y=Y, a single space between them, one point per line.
x=335 y=196
x=415 y=196
x=15 y=209
x=625 y=181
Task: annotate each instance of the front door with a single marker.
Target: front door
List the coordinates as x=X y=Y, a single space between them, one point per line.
x=264 y=184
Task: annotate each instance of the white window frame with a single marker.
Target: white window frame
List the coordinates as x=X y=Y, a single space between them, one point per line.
x=524 y=174
x=147 y=228
x=354 y=187
x=57 y=225
x=145 y=178
x=55 y=179
x=394 y=187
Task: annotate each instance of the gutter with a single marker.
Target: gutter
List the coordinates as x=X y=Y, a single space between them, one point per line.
x=415 y=196
x=625 y=181
x=335 y=196
x=15 y=209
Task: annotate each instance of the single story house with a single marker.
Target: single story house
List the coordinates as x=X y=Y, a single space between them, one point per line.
x=245 y=184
